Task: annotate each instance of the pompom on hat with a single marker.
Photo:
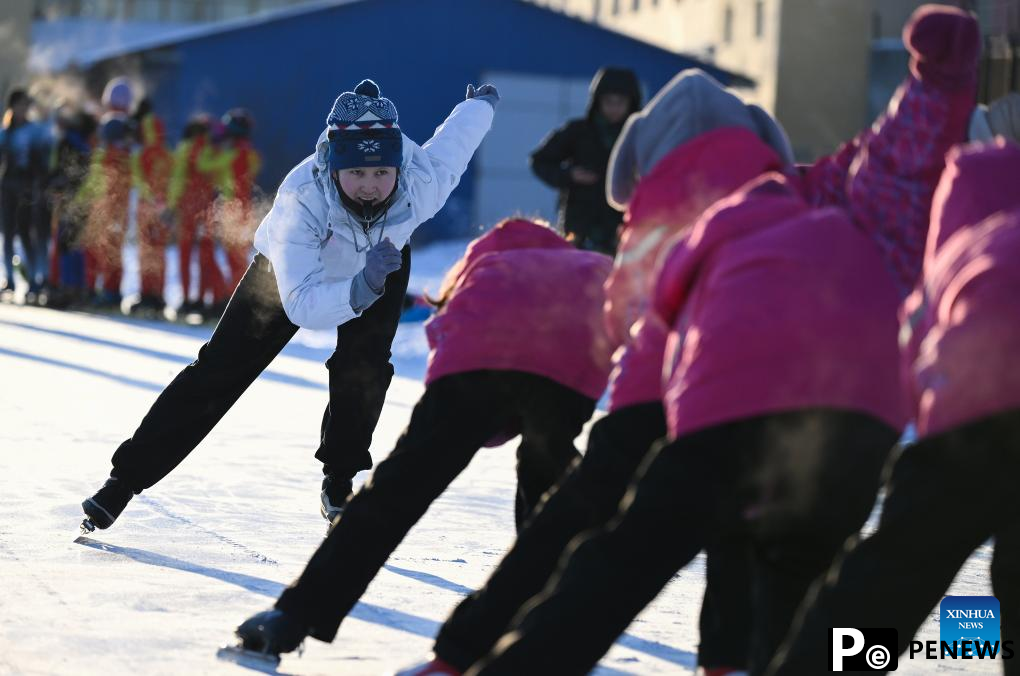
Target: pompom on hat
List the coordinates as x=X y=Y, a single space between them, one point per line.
x=363 y=130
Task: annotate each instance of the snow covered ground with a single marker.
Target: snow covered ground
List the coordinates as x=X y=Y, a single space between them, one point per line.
x=220 y=537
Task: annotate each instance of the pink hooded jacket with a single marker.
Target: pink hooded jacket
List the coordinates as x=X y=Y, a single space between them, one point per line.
x=775 y=306
x=524 y=299
x=960 y=360
x=884 y=179
x=665 y=204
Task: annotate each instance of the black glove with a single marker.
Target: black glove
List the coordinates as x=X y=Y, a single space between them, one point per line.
x=486 y=92
x=381 y=260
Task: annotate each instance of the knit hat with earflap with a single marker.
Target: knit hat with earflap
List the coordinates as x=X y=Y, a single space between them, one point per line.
x=363 y=130
x=690 y=104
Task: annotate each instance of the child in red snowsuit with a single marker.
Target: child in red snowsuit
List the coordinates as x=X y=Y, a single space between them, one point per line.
x=191 y=196
x=151 y=165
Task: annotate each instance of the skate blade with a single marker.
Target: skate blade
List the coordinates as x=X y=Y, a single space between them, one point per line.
x=264 y=662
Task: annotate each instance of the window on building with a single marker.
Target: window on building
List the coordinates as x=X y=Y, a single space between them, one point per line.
x=616 y=7
x=876 y=25
x=635 y=5
x=727 y=24
x=596 y=9
x=759 y=18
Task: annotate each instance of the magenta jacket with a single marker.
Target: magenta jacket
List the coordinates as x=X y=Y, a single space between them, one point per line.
x=665 y=204
x=773 y=306
x=961 y=358
x=524 y=299
x=884 y=178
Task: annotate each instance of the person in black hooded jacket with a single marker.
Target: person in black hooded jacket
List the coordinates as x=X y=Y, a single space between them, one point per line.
x=573 y=160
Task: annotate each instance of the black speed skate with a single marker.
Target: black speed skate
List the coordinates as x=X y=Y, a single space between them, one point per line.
x=103 y=508
x=265 y=636
x=333 y=499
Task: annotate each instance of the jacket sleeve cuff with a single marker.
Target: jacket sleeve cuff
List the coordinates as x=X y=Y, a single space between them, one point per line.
x=362 y=293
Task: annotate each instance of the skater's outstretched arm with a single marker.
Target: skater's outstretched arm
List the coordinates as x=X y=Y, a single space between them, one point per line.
x=437 y=166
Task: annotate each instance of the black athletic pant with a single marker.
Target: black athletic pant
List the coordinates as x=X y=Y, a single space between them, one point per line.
x=16 y=201
x=948 y=494
x=797 y=484
x=455 y=417
x=585 y=498
x=251 y=332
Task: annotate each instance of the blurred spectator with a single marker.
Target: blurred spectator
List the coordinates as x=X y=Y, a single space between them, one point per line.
x=23 y=165
x=232 y=164
x=151 y=164
x=104 y=195
x=69 y=162
x=190 y=196
x=573 y=160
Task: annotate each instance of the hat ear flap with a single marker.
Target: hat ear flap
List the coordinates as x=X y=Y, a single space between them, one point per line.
x=622 y=174
x=770 y=131
x=322 y=153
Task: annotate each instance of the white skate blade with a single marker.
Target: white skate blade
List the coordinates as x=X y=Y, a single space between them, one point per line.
x=264 y=662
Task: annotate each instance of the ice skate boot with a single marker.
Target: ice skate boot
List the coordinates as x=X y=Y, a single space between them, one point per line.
x=103 y=508
x=265 y=636
x=334 y=496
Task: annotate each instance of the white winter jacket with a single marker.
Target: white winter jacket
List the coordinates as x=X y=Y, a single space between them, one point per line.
x=317 y=248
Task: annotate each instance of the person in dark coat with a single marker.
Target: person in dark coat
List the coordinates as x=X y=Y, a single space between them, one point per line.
x=22 y=166
x=69 y=164
x=573 y=160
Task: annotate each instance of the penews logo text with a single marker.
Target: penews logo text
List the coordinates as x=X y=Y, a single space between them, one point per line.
x=969 y=628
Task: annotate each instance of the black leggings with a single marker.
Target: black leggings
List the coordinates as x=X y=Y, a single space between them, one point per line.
x=587 y=497
x=455 y=417
x=16 y=200
x=795 y=485
x=948 y=494
x=251 y=332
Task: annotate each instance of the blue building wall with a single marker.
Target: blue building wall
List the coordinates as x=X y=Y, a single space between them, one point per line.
x=423 y=54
